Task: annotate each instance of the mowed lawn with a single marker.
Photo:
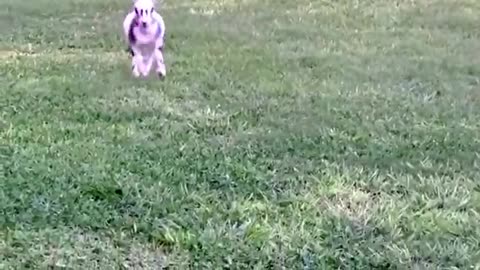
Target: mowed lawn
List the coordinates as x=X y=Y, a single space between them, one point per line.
x=287 y=135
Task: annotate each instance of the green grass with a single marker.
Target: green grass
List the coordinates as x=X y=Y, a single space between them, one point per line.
x=287 y=135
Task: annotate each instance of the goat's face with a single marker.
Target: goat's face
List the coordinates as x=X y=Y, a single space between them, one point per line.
x=143 y=12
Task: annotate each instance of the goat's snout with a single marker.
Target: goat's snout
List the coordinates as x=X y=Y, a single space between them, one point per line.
x=144 y=24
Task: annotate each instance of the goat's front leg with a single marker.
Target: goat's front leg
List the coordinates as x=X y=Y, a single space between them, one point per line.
x=161 y=68
x=147 y=64
x=137 y=63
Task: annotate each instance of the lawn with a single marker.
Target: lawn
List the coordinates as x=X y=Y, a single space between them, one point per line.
x=287 y=135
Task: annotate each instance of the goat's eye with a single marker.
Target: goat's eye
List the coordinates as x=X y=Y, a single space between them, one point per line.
x=136 y=11
x=151 y=11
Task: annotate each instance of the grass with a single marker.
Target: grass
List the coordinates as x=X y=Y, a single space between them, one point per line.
x=287 y=135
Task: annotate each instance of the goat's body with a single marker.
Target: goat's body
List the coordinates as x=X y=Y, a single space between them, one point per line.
x=145 y=44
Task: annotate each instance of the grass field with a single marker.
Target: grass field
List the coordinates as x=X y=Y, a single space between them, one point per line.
x=287 y=135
